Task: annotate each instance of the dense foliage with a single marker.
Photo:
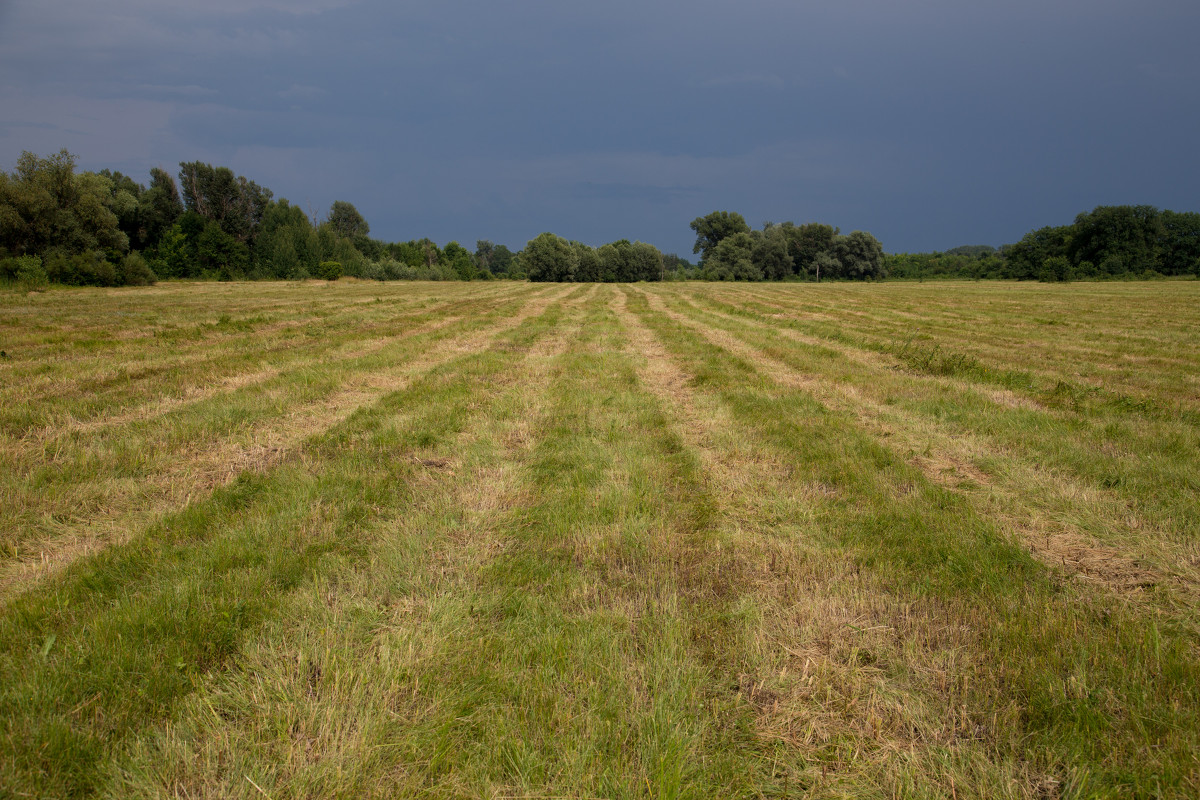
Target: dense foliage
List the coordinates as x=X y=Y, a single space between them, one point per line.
x=83 y=228
x=553 y=258
x=1107 y=242
x=730 y=250
x=103 y=228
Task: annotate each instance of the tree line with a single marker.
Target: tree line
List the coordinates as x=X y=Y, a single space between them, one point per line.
x=104 y=228
x=729 y=251
x=207 y=222
x=1108 y=242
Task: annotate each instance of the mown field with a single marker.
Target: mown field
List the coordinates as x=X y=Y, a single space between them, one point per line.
x=533 y=541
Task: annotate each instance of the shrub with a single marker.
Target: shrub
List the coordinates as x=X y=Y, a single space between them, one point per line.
x=136 y=272
x=1056 y=269
x=81 y=269
x=392 y=270
x=369 y=271
x=31 y=275
x=329 y=270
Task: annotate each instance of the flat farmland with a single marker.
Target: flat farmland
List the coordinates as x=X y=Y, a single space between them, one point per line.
x=509 y=540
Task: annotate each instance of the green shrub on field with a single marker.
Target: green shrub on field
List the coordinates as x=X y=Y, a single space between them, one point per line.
x=31 y=275
x=135 y=271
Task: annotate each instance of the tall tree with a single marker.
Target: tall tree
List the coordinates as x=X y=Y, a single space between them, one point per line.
x=215 y=193
x=587 y=263
x=159 y=207
x=1025 y=258
x=125 y=203
x=287 y=245
x=771 y=254
x=484 y=252
x=458 y=258
x=346 y=221
x=502 y=260
x=860 y=255
x=648 y=262
x=1181 y=243
x=1127 y=236
x=712 y=228
x=806 y=242
x=549 y=258
x=45 y=205
x=732 y=260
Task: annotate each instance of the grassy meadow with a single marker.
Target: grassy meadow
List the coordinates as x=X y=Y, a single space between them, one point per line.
x=505 y=540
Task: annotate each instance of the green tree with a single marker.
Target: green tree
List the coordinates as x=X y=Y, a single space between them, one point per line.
x=1131 y=233
x=502 y=260
x=859 y=255
x=485 y=251
x=220 y=255
x=215 y=193
x=587 y=263
x=826 y=264
x=45 y=205
x=172 y=258
x=458 y=259
x=732 y=260
x=771 y=252
x=713 y=228
x=647 y=262
x=346 y=221
x=134 y=271
x=159 y=207
x=806 y=242
x=29 y=274
x=611 y=262
x=1055 y=269
x=549 y=258
x=125 y=203
x=287 y=245
x=1181 y=243
x=619 y=262
x=1025 y=258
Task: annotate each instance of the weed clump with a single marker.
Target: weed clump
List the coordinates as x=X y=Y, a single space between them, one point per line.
x=936 y=361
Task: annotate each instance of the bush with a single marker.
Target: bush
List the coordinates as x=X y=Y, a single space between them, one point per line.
x=30 y=274
x=369 y=271
x=136 y=272
x=392 y=270
x=329 y=270
x=81 y=269
x=1056 y=269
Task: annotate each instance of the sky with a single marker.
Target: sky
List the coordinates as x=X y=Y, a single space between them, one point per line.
x=929 y=123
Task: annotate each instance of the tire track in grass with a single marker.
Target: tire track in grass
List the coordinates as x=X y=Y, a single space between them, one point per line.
x=980 y=607
x=344 y=673
x=135 y=629
x=1002 y=491
x=129 y=504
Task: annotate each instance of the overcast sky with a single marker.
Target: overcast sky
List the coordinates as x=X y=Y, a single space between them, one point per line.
x=930 y=123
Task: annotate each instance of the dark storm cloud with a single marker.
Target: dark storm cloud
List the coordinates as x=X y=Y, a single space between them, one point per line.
x=931 y=124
